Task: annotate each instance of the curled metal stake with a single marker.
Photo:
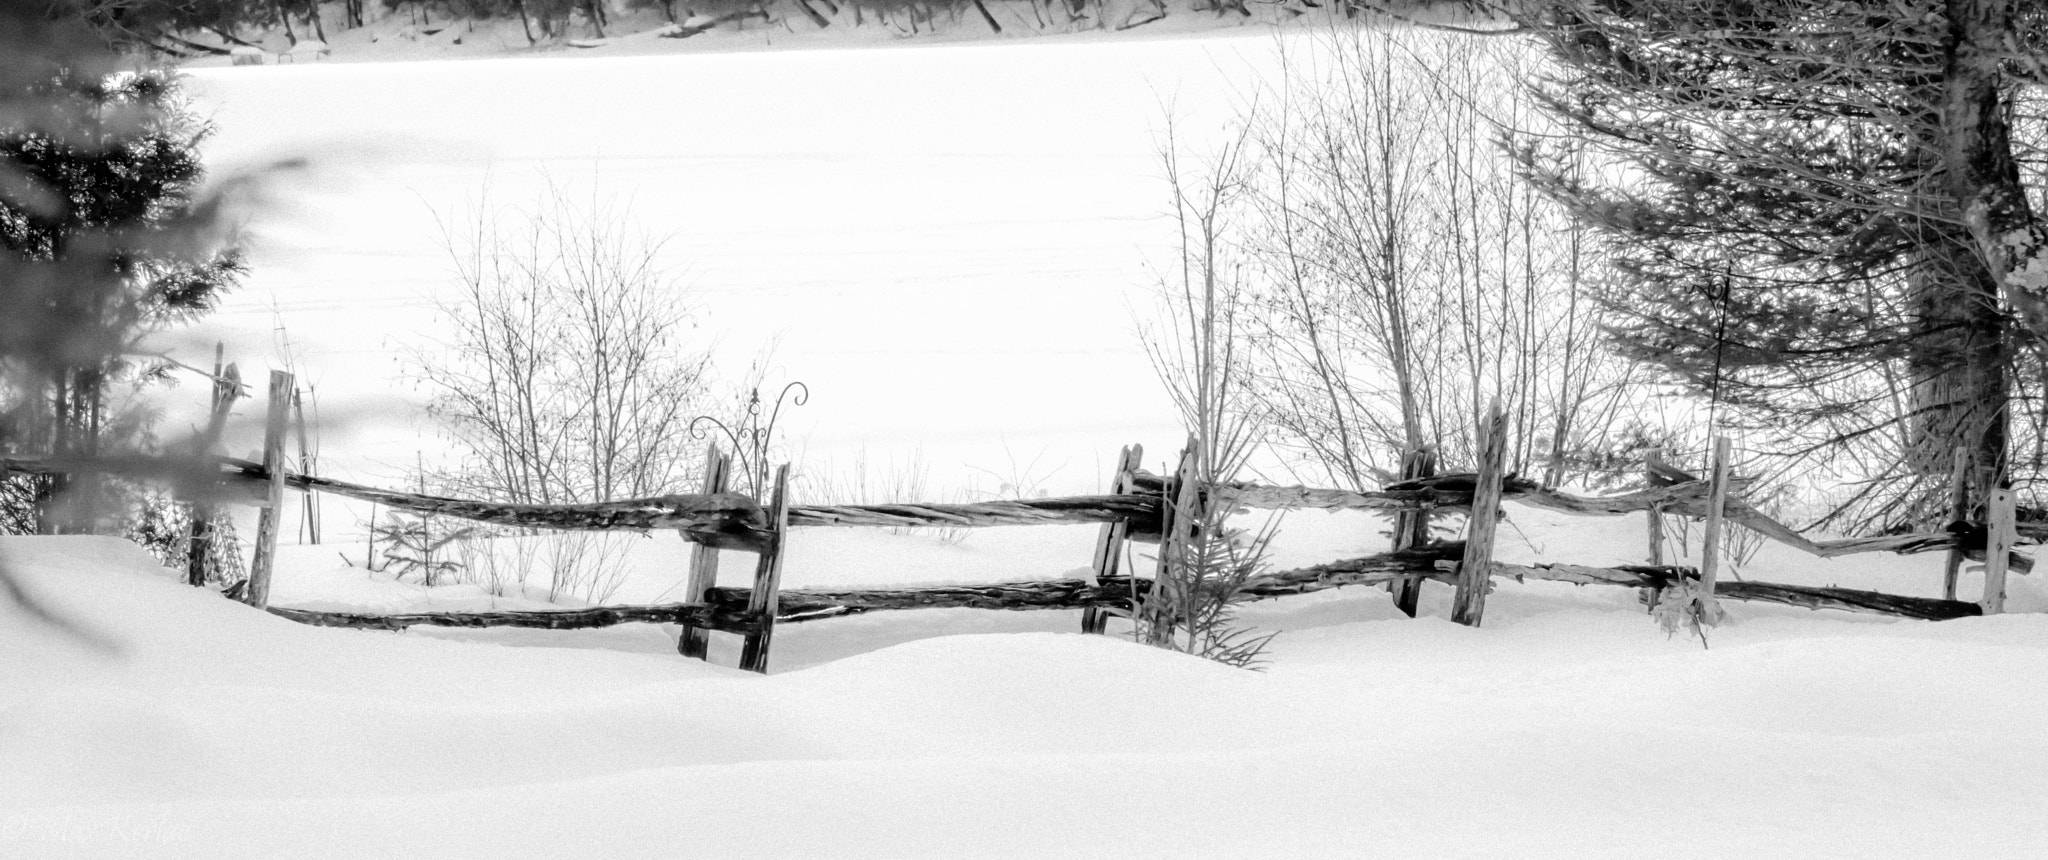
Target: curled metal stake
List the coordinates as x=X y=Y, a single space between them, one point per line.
x=751 y=439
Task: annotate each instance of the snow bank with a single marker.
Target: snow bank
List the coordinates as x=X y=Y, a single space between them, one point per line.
x=1565 y=727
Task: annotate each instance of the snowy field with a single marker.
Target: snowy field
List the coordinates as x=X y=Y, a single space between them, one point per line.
x=953 y=245
x=1567 y=727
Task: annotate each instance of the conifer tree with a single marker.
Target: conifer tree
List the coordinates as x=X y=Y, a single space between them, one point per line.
x=101 y=242
x=1815 y=213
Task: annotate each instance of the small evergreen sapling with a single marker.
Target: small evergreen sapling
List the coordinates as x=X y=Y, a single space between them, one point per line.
x=412 y=545
x=1197 y=613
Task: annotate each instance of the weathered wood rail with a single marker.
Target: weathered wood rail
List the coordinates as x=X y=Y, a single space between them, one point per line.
x=1453 y=492
x=716 y=519
x=729 y=619
x=725 y=609
x=735 y=521
x=725 y=520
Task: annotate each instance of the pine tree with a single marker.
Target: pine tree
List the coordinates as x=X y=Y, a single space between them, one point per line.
x=101 y=243
x=1789 y=199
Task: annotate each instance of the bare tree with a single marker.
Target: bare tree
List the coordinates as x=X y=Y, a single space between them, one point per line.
x=1403 y=274
x=569 y=375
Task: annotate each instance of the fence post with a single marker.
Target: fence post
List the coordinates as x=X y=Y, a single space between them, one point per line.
x=1656 y=520
x=766 y=598
x=258 y=593
x=1411 y=530
x=1178 y=515
x=1475 y=572
x=1959 y=513
x=199 y=546
x=1109 y=543
x=1717 y=504
x=1998 y=540
x=695 y=641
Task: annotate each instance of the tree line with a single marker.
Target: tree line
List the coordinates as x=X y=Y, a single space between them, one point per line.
x=1813 y=224
x=197 y=27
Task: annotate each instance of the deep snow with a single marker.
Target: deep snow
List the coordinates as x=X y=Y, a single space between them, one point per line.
x=948 y=240
x=1568 y=726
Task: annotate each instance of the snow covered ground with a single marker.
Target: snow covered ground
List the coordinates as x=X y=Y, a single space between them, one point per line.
x=950 y=242
x=1567 y=726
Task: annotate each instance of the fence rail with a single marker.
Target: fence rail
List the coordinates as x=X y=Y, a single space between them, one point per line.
x=1453 y=492
x=728 y=520
x=736 y=521
x=725 y=608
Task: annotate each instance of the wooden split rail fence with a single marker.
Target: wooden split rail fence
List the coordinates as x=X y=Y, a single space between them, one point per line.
x=1134 y=511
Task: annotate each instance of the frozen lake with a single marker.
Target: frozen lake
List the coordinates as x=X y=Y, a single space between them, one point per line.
x=953 y=245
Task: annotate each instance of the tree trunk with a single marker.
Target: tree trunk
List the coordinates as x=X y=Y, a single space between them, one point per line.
x=1957 y=373
x=824 y=22
x=1982 y=172
x=285 y=19
x=525 y=22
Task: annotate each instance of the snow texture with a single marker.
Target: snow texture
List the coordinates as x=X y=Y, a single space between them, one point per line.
x=1566 y=727
x=948 y=241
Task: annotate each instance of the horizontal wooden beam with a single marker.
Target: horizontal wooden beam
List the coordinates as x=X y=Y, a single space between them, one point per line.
x=715 y=617
x=1140 y=511
x=811 y=605
x=1849 y=599
x=1452 y=491
x=1811 y=597
x=735 y=521
x=726 y=610
x=1449 y=490
x=724 y=520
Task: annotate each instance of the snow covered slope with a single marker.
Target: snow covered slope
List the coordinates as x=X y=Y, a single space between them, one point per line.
x=1567 y=727
x=949 y=241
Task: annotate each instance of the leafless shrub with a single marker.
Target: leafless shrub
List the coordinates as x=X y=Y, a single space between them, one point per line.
x=568 y=376
x=482 y=563
x=586 y=566
x=574 y=566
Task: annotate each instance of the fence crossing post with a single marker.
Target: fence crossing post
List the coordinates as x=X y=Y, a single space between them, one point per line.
x=258 y=591
x=695 y=641
x=1109 y=543
x=1717 y=513
x=1475 y=572
x=1959 y=514
x=1998 y=541
x=1656 y=520
x=1179 y=511
x=766 y=598
x=1411 y=530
